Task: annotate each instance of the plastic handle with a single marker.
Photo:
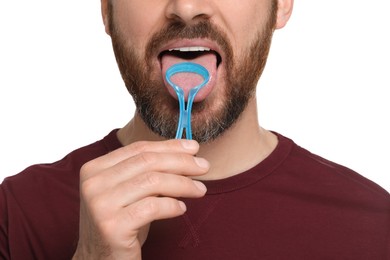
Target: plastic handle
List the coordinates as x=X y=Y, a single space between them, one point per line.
x=185 y=111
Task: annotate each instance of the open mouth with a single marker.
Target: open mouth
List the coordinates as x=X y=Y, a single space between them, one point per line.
x=191 y=53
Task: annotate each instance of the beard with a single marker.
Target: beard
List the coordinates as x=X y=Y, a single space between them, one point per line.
x=159 y=110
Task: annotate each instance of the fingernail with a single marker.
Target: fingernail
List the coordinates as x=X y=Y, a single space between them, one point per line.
x=200 y=186
x=202 y=163
x=182 y=205
x=189 y=144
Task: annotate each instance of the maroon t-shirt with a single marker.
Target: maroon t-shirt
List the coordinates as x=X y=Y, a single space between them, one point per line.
x=293 y=205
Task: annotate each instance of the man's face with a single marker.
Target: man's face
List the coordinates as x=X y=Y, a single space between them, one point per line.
x=238 y=34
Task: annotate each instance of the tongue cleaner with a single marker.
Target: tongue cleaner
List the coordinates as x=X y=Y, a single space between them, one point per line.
x=185 y=111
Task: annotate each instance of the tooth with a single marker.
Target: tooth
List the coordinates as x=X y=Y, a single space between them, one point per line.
x=186 y=49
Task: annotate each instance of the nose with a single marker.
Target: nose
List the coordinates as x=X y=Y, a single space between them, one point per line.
x=189 y=11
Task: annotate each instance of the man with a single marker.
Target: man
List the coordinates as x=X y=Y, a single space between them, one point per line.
x=237 y=192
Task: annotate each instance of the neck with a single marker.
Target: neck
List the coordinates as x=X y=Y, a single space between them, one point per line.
x=240 y=148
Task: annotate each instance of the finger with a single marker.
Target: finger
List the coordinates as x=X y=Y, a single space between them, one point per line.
x=141 y=164
x=138 y=170
x=154 y=184
x=150 y=209
x=125 y=225
x=134 y=218
x=170 y=146
x=177 y=163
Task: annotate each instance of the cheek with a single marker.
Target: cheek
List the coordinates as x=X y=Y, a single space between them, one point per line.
x=136 y=20
x=245 y=20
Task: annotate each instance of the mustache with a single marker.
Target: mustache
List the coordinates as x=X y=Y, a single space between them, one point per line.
x=180 y=30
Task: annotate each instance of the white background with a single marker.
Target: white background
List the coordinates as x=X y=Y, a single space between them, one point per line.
x=326 y=84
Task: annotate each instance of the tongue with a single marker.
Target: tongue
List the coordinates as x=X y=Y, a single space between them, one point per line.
x=187 y=81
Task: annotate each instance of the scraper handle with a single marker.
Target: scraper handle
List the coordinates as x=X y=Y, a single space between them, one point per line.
x=185 y=112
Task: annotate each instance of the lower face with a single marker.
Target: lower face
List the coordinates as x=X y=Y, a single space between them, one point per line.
x=215 y=114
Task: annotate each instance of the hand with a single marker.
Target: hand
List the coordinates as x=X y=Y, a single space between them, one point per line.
x=124 y=191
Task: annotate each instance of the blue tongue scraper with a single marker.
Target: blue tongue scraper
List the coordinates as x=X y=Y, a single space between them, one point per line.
x=185 y=112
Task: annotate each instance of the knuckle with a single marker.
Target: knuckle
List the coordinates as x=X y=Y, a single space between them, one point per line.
x=183 y=161
x=88 y=187
x=145 y=210
x=174 y=144
x=150 y=179
x=150 y=208
x=145 y=181
x=86 y=169
x=185 y=182
x=147 y=158
x=101 y=208
x=140 y=146
x=183 y=158
x=97 y=204
x=93 y=195
x=153 y=208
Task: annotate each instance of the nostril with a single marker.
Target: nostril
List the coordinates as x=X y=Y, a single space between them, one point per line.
x=201 y=17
